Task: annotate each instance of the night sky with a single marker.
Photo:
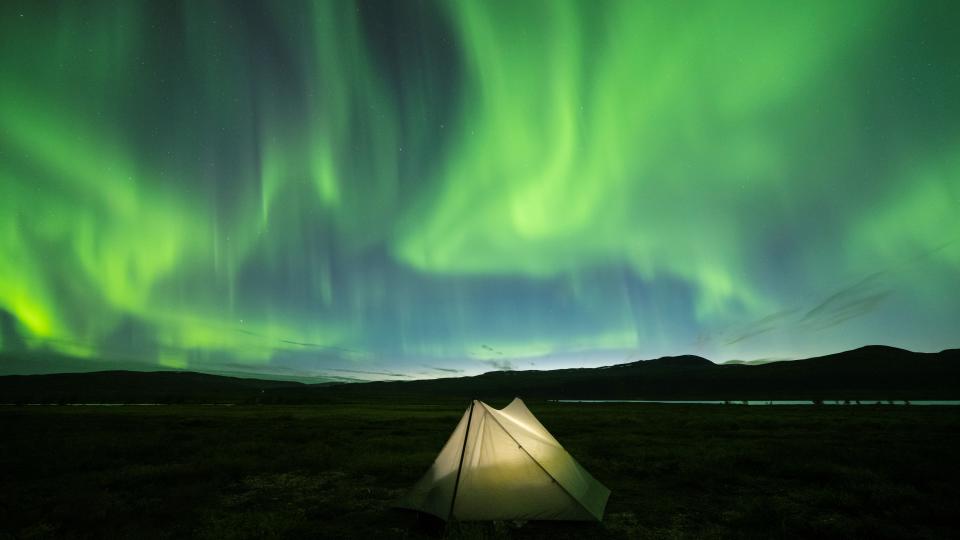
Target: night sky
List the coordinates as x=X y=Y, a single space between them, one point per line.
x=418 y=189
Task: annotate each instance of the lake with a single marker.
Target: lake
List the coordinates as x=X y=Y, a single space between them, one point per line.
x=763 y=402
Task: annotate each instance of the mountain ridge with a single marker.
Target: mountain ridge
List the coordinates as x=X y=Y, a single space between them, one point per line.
x=870 y=372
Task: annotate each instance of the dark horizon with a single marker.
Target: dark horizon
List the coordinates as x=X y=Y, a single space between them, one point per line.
x=7 y=367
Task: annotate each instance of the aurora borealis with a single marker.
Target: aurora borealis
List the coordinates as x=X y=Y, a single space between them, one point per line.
x=414 y=189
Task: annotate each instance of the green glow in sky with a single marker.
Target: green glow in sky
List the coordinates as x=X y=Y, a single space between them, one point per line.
x=421 y=188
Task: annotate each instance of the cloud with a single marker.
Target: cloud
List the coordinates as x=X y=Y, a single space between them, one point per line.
x=445 y=370
x=365 y=372
x=850 y=302
x=499 y=364
x=491 y=349
x=761 y=326
x=854 y=301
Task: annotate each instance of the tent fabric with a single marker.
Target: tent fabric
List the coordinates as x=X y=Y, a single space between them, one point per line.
x=503 y=464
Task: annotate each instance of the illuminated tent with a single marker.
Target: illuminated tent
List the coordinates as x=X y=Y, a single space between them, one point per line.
x=503 y=464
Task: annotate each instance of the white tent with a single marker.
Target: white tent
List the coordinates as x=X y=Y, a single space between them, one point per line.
x=503 y=464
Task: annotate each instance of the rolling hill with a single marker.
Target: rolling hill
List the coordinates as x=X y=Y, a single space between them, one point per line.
x=868 y=373
x=134 y=387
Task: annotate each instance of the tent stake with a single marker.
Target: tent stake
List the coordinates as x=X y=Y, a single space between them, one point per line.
x=463 y=450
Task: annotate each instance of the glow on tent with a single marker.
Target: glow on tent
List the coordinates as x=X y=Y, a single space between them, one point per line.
x=503 y=464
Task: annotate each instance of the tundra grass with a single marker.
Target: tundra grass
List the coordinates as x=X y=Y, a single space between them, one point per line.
x=332 y=471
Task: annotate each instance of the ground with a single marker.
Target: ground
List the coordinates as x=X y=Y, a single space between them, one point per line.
x=675 y=471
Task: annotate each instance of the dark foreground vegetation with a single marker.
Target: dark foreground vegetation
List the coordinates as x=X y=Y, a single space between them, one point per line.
x=331 y=471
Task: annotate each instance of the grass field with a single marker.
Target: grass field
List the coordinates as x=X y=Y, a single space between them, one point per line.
x=676 y=471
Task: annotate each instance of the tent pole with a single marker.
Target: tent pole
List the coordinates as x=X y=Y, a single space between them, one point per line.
x=463 y=450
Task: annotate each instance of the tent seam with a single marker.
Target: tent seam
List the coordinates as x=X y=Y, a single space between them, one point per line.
x=544 y=469
x=463 y=451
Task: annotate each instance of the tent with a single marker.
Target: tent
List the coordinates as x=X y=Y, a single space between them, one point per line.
x=503 y=464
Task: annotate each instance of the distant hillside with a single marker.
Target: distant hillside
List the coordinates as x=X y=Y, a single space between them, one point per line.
x=868 y=373
x=756 y=362
x=134 y=387
x=43 y=362
x=873 y=372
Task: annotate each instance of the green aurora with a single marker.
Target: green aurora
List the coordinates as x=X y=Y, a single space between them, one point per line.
x=415 y=188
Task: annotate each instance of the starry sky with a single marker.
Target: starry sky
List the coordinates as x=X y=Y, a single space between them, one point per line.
x=406 y=189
